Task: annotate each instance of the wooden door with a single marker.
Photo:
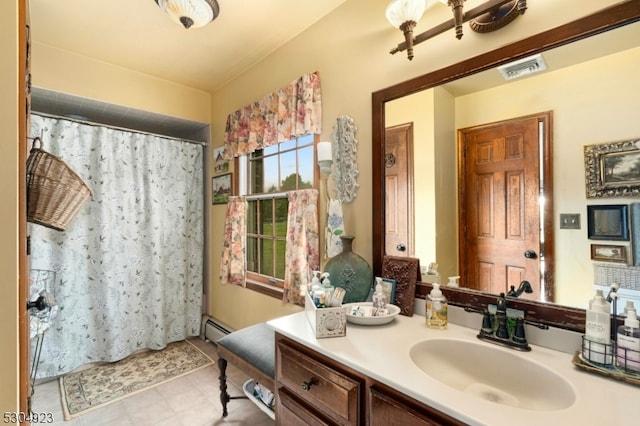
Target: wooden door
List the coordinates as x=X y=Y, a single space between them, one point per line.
x=500 y=220
x=398 y=174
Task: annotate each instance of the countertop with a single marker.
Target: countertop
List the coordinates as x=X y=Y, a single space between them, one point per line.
x=382 y=353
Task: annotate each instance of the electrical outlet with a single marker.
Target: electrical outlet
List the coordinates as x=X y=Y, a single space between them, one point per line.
x=569 y=220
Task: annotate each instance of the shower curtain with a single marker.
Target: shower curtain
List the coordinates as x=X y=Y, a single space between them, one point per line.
x=129 y=266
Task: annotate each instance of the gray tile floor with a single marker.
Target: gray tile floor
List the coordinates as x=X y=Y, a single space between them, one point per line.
x=191 y=400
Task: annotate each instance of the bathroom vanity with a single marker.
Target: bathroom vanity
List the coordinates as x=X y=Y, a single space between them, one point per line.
x=405 y=373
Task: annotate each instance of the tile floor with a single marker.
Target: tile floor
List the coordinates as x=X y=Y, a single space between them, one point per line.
x=191 y=400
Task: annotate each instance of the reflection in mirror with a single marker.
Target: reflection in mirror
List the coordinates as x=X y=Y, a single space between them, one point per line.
x=590 y=92
x=575 y=93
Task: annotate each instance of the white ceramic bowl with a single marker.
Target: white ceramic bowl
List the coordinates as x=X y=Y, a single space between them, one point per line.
x=370 y=320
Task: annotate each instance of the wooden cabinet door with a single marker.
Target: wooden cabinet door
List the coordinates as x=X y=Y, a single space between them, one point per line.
x=389 y=408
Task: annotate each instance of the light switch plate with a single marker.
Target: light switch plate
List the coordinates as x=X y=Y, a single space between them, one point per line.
x=569 y=220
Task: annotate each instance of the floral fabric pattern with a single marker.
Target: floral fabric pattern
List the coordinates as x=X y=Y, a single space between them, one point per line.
x=232 y=265
x=289 y=112
x=345 y=161
x=303 y=246
x=129 y=268
x=334 y=229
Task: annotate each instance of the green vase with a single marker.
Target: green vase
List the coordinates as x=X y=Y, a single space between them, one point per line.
x=351 y=272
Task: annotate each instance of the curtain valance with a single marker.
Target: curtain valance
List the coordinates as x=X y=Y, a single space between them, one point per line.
x=289 y=112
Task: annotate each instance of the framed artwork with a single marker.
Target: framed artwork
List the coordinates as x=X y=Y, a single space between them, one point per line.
x=613 y=169
x=608 y=222
x=389 y=288
x=609 y=253
x=220 y=165
x=221 y=188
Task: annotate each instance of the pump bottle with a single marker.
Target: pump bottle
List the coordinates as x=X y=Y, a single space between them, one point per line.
x=628 y=347
x=379 y=299
x=437 y=308
x=597 y=340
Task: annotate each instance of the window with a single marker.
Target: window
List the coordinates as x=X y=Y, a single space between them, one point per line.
x=265 y=176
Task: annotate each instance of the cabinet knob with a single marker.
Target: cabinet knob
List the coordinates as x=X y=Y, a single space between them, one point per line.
x=307 y=384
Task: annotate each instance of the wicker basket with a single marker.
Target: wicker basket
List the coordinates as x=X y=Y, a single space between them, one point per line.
x=55 y=192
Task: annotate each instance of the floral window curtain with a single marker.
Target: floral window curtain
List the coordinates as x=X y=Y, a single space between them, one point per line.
x=232 y=266
x=285 y=114
x=129 y=268
x=303 y=246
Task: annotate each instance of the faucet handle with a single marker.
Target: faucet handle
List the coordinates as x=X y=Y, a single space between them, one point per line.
x=487 y=325
x=501 y=304
x=502 y=331
x=518 y=335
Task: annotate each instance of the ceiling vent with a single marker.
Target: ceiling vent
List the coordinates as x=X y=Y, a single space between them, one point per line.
x=523 y=67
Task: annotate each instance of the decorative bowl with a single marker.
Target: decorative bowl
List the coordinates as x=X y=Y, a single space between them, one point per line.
x=370 y=320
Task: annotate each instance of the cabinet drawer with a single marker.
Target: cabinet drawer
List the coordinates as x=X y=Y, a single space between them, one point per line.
x=290 y=412
x=388 y=408
x=330 y=392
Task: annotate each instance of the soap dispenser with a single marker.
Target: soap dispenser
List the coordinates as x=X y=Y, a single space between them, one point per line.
x=379 y=299
x=437 y=308
x=597 y=345
x=628 y=337
x=453 y=281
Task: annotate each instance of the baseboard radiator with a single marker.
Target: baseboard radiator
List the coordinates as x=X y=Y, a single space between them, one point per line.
x=214 y=330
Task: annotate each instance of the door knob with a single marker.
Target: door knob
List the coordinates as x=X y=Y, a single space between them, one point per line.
x=530 y=254
x=401 y=247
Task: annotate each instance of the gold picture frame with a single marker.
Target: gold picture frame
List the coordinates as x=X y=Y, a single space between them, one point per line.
x=613 y=169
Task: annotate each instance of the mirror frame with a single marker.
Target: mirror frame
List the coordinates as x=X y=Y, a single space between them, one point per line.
x=604 y=20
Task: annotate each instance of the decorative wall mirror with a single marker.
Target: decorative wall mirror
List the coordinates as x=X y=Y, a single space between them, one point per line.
x=607 y=23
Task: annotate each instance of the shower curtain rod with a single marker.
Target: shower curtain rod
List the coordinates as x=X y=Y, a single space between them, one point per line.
x=91 y=123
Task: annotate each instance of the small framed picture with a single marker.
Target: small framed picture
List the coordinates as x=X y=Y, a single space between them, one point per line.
x=220 y=165
x=221 y=188
x=389 y=288
x=608 y=222
x=609 y=253
x=613 y=169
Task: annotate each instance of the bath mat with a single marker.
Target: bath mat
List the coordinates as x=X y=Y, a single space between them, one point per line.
x=93 y=388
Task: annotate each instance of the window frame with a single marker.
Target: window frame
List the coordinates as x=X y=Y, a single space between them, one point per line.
x=265 y=284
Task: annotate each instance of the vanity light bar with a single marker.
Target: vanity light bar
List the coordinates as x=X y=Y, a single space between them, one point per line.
x=523 y=67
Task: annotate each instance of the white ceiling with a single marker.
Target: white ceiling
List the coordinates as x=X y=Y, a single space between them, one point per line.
x=137 y=34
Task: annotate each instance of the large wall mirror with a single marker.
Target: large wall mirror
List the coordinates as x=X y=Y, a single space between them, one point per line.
x=587 y=94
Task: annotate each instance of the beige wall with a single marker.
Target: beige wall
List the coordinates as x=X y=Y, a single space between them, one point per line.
x=9 y=211
x=350 y=50
x=78 y=75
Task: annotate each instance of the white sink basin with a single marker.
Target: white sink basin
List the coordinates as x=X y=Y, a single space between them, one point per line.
x=493 y=373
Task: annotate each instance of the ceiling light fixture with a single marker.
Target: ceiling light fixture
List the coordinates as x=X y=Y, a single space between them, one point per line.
x=190 y=13
x=405 y=14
